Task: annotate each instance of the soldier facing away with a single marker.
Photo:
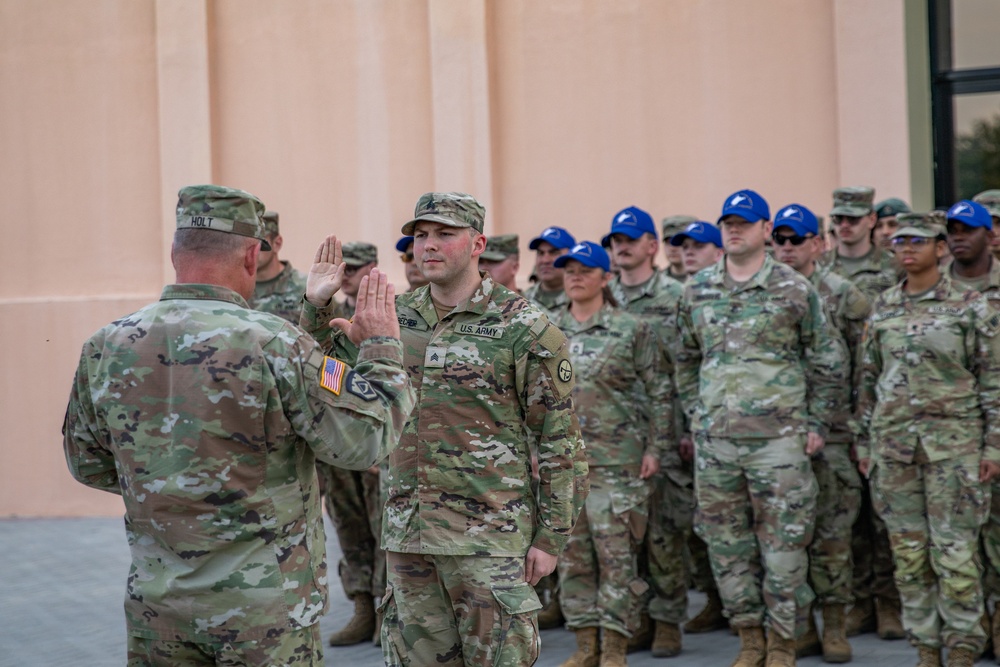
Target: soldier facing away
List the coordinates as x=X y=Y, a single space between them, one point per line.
x=207 y=418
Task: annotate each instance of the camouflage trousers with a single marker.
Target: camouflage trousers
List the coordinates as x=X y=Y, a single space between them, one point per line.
x=756 y=509
x=667 y=562
x=283 y=647
x=991 y=547
x=873 y=568
x=838 y=503
x=599 y=583
x=934 y=512
x=353 y=502
x=458 y=610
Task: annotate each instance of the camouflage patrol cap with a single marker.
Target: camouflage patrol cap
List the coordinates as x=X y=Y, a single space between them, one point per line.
x=500 y=247
x=890 y=207
x=991 y=200
x=853 y=201
x=926 y=225
x=221 y=209
x=358 y=253
x=271 y=222
x=675 y=224
x=454 y=209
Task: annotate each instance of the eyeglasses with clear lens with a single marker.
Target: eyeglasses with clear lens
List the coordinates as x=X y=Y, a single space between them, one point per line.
x=794 y=240
x=912 y=241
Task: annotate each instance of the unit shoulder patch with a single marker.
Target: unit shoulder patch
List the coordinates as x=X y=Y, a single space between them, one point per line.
x=332 y=374
x=360 y=387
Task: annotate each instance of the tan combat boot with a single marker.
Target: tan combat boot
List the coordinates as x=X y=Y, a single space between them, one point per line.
x=642 y=638
x=614 y=646
x=961 y=657
x=928 y=657
x=888 y=619
x=552 y=616
x=836 y=648
x=361 y=627
x=753 y=651
x=861 y=618
x=809 y=643
x=666 y=640
x=587 y=653
x=780 y=651
x=710 y=618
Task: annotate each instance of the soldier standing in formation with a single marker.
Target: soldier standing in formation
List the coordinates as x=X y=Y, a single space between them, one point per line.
x=359 y=259
x=501 y=260
x=886 y=212
x=700 y=244
x=279 y=287
x=414 y=278
x=674 y=224
x=207 y=418
x=548 y=291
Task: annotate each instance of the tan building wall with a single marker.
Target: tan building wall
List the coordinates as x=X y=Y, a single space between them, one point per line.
x=339 y=114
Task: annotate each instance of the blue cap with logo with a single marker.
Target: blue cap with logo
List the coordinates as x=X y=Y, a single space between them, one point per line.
x=970 y=213
x=633 y=222
x=700 y=231
x=748 y=205
x=587 y=253
x=557 y=237
x=404 y=243
x=798 y=218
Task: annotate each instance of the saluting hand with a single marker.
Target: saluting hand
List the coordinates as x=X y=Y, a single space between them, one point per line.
x=326 y=274
x=375 y=314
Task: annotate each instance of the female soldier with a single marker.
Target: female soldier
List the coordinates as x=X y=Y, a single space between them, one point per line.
x=929 y=397
x=617 y=358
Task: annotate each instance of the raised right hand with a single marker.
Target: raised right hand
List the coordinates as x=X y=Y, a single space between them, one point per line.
x=326 y=274
x=375 y=314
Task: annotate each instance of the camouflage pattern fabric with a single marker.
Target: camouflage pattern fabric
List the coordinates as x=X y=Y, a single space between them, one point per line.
x=282 y=295
x=208 y=418
x=599 y=582
x=551 y=302
x=934 y=511
x=872 y=274
x=354 y=504
x=756 y=512
x=485 y=599
x=283 y=647
x=838 y=504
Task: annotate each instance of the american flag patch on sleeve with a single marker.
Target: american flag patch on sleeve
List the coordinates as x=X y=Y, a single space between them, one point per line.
x=332 y=377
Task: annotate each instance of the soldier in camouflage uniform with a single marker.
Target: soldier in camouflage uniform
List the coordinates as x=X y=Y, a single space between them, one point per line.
x=548 y=291
x=501 y=260
x=700 y=244
x=760 y=373
x=991 y=200
x=798 y=244
x=932 y=350
x=414 y=278
x=674 y=224
x=652 y=295
x=613 y=352
x=886 y=212
x=359 y=259
x=279 y=287
x=207 y=418
x=856 y=257
x=465 y=538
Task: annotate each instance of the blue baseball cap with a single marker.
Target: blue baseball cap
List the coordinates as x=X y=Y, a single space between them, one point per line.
x=701 y=231
x=587 y=253
x=404 y=243
x=970 y=213
x=556 y=236
x=748 y=205
x=633 y=222
x=798 y=218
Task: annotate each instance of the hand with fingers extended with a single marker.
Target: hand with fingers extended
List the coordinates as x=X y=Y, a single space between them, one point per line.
x=375 y=314
x=326 y=274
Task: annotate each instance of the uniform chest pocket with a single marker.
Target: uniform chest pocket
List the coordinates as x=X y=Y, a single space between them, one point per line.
x=591 y=357
x=772 y=323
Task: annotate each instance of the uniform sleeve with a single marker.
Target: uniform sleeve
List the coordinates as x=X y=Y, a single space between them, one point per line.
x=316 y=321
x=826 y=365
x=856 y=310
x=85 y=442
x=351 y=417
x=546 y=396
x=987 y=371
x=871 y=369
x=655 y=370
x=687 y=362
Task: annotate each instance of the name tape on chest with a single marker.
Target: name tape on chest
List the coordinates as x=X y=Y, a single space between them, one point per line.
x=332 y=374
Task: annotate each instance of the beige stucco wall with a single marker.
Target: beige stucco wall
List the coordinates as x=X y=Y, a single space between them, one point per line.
x=339 y=114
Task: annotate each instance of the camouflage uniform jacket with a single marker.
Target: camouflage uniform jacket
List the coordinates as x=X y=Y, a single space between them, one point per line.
x=931 y=375
x=490 y=376
x=612 y=352
x=207 y=418
x=282 y=295
x=992 y=288
x=847 y=309
x=759 y=360
x=873 y=274
x=550 y=302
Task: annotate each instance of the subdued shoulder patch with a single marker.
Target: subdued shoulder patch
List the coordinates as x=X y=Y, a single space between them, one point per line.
x=565 y=370
x=332 y=375
x=360 y=387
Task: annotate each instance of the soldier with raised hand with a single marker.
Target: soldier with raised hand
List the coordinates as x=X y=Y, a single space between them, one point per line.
x=671 y=225
x=797 y=243
x=465 y=538
x=932 y=349
x=207 y=418
x=501 y=259
x=279 y=287
x=548 y=291
x=359 y=259
x=759 y=372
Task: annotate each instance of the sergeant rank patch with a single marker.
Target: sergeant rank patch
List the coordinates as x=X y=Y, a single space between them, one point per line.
x=332 y=377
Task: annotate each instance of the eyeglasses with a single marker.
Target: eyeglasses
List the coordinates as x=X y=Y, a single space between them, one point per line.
x=407 y=257
x=794 y=240
x=912 y=241
x=841 y=219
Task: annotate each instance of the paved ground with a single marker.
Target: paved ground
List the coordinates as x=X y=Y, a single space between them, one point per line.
x=62 y=582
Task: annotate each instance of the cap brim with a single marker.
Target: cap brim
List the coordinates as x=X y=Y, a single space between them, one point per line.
x=913 y=231
x=408 y=227
x=851 y=211
x=493 y=256
x=680 y=236
x=740 y=213
x=562 y=260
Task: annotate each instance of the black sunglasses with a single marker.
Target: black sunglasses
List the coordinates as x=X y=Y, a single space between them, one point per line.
x=794 y=240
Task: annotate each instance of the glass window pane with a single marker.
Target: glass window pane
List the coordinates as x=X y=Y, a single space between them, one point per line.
x=977 y=143
x=974 y=33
